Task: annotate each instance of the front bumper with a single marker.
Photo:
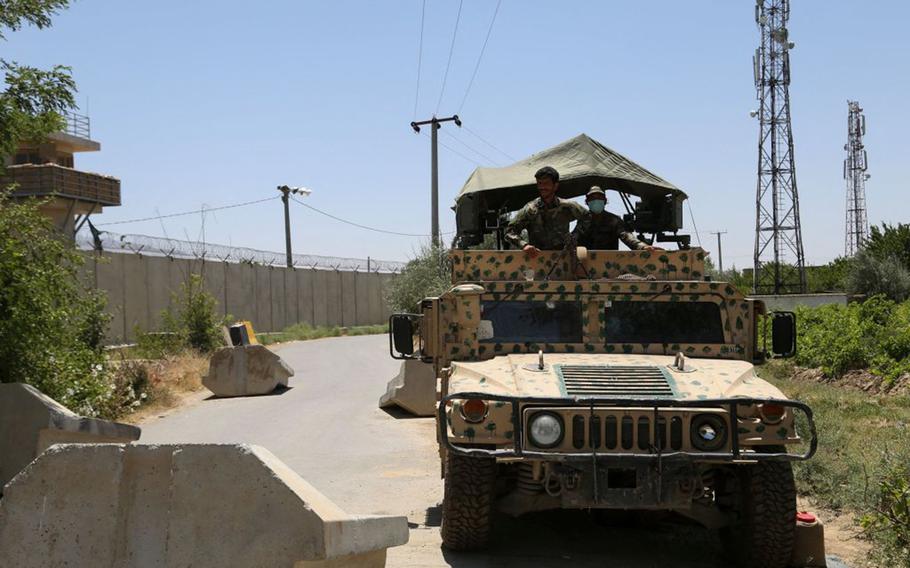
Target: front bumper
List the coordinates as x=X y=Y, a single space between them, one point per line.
x=516 y=449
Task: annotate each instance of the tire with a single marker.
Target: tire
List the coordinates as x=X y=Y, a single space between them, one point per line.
x=764 y=533
x=467 y=505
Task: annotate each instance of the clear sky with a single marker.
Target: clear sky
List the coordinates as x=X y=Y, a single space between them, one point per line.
x=212 y=103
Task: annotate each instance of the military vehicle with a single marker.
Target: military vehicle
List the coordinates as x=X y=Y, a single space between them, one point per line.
x=605 y=379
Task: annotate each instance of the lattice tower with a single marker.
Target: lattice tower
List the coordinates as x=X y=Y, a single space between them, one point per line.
x=855 y=165
x=778 y=258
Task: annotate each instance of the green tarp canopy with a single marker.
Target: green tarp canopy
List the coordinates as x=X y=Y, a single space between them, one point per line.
x=581 y=163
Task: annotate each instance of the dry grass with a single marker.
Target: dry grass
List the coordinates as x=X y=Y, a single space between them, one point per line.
x=170 y=381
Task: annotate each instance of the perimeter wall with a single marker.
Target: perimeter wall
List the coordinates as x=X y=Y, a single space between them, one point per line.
x=140 y=286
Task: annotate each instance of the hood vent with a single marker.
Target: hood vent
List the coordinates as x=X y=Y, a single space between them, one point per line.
x=615 y=381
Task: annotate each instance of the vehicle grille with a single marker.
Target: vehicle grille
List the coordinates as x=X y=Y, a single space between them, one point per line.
x=625 y=433
x=615 y=381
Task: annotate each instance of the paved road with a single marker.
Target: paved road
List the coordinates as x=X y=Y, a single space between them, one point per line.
x=327 y=428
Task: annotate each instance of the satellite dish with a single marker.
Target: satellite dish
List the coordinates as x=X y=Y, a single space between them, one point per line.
x=753 y=113
x=867 y=176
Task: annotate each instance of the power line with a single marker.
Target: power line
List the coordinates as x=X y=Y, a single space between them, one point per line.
x=480 y=57
x=347 y=222
x=453 y=150
x=445 y=77
x=194 y=212
x=471 y=148
x=423 y=12
x=490 y=144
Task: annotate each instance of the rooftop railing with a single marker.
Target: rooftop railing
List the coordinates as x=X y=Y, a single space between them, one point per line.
x=78 y=125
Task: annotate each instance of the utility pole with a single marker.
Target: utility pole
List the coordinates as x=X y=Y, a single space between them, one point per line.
x=285 y=198
x=434 y=169
x=720 y=254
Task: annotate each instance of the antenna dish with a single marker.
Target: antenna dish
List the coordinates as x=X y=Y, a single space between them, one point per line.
x=753 y=113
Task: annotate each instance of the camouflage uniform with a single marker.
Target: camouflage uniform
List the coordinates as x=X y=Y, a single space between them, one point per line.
x=547 y=225
x=604 y=231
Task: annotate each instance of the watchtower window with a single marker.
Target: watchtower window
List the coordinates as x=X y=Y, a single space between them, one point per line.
x=26 y=158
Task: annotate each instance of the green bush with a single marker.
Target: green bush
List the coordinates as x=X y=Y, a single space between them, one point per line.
x=871 y=275
x=428 y=274
x=51 y=326
x=874 y=334
x=830 y=337
x=195 y=324
x=889 y=521
x=197 y=320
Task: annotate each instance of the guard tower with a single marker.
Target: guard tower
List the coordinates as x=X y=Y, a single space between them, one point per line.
x=47 y=170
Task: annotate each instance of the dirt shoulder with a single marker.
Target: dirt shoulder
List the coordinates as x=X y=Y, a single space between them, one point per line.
x=843 y=536
x=863 y=448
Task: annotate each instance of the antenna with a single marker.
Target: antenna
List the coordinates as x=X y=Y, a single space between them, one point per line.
x=855 y=166
x=778 y=258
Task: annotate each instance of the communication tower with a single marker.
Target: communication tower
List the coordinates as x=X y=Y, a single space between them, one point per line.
x=857 y=226
x=779 y=261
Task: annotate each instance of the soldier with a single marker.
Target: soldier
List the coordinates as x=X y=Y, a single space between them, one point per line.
x=602 y=230
x=546 y=218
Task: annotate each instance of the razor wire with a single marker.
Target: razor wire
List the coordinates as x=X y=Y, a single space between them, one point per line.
x=173 y=248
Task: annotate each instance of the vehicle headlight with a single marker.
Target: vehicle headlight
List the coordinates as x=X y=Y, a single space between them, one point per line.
x=545 y=429
x=708 y=432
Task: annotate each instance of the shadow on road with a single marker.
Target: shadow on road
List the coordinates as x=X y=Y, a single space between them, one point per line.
x=278 y=391
x=399 y=413
x=580 y=539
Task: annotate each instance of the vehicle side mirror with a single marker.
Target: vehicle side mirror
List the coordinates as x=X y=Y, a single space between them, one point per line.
x=402 y=329
x=783 y=334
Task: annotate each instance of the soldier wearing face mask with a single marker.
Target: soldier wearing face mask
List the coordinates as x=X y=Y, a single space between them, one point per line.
x=602 y=230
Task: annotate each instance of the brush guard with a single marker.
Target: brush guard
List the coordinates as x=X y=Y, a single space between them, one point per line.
x=656 y=453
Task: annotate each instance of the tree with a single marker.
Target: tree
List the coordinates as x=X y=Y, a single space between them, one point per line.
x=33 y=100
x=831 y=277
x=889 y=241
x=428 y=274
x=51 y=326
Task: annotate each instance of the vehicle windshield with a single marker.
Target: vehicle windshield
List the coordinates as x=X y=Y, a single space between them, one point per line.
x=537 y=322
x=624 y=322
x=663 y=322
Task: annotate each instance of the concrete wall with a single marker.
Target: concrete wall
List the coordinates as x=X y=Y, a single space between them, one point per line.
x=139 y=287
x=788 y=302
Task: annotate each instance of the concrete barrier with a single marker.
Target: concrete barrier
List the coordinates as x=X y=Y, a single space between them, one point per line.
x=246 y=370
x=114 y=505
x=413 y=389
x=30 y=422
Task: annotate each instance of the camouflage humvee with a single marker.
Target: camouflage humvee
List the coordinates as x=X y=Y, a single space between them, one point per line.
x=608 y=380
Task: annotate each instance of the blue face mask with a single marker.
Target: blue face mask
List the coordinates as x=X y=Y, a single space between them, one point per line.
x=596 y=206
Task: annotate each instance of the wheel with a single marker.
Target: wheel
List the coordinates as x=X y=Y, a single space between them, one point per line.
x=764 y=533
x=467 y=505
